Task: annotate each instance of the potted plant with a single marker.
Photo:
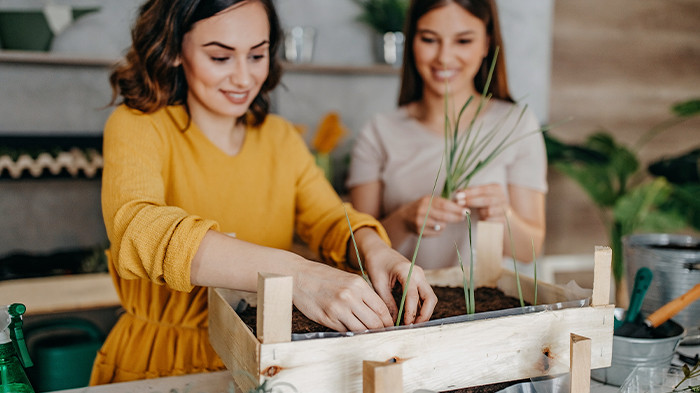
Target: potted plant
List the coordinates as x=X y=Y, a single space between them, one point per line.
x=628 y=199
x=386 y=18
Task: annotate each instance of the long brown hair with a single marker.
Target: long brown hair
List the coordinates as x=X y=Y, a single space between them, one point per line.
x=148 y=80
x=411 y=81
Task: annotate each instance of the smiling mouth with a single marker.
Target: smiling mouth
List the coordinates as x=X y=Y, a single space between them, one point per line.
x=236 y=98
x=444 y=74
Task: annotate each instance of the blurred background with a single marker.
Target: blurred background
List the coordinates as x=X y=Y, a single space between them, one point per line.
x=617 y=66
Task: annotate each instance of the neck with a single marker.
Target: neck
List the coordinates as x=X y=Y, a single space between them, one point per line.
x=227 y=133
x=430 y=110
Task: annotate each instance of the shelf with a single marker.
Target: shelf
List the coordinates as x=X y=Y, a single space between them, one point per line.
x=47 y=58
x=378 y=69
x=61 y=293
x=65 y=59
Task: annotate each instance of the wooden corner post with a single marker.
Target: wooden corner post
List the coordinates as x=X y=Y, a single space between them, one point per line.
x=601 y=276
x=274 y=318
x=489 y=253
x=382 y=377
x=580 y=359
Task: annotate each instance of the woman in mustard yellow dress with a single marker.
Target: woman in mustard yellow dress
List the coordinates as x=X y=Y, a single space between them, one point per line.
x=202 y=187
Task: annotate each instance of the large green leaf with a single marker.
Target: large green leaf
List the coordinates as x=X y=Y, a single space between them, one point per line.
x=684 y=201
x=633 y=208
x=622 y=161
x=684 y=168
x=595 y=180
x=558 y=151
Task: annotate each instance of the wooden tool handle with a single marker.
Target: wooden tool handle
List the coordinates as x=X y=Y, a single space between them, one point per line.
x=673 y=307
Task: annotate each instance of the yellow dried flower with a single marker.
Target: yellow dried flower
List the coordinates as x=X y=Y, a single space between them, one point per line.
x=329 y=133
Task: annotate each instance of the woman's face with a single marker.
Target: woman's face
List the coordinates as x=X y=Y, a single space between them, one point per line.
x=449 y=47
x=226 y=60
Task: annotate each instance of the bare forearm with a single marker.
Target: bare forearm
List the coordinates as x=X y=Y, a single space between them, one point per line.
x=222 y=261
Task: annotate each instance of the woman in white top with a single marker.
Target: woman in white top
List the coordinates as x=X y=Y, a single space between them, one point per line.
x=397 y=155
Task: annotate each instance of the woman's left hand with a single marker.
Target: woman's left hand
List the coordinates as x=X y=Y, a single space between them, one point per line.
x=385 y=267
x=489 y=201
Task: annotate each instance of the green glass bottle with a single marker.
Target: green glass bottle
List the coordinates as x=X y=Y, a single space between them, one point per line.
x=13 y=351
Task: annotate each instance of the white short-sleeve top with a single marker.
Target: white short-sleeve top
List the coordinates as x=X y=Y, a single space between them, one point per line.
x=397 y=150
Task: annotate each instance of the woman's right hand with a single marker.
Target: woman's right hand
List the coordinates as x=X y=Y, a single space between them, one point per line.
x=442 y=212
x=337 y=299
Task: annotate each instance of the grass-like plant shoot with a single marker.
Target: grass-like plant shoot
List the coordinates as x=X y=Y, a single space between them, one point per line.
x=415 y=252
x=357 y=252
x=463 y=149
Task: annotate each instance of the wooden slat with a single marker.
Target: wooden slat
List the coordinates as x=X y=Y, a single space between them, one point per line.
x=382 y=377
x=489 y=351
x=601 y=276
x=489 y=253
x=274 y=312
x=232 y=339
x=580 y=360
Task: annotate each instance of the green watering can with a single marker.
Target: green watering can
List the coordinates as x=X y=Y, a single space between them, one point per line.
x=63 y=351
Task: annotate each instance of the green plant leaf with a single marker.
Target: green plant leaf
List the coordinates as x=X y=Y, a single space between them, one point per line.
x=687 y=108
x=595 y=180
x=383 y=15
x=680 y=169
x=684 y=202
x=633 y=208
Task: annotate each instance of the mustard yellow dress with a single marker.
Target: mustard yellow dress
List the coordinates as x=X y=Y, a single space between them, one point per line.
x=164 y=186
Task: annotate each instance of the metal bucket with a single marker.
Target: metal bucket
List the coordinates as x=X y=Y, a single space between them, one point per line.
x=675 y=262
x=627 y=353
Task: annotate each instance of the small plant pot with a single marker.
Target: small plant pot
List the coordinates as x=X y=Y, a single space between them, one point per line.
x=628 y=352
x=675 y=262
x=29 y=30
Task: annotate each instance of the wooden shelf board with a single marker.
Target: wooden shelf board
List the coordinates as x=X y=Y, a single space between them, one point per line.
x=65 y=59
x=60 y=293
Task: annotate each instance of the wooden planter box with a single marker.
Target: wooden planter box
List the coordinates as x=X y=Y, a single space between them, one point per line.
x=443 y=357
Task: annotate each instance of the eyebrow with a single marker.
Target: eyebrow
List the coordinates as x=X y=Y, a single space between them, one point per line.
x=465 y=32
x=219 y=44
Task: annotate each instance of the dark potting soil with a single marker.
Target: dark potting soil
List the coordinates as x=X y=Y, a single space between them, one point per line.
x=450 y=303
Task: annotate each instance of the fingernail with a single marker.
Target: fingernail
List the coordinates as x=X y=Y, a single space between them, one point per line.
x=436 y=227
x=460 y=195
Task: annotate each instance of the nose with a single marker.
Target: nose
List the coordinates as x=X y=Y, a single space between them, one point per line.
x=240 y=75
x=445 y=53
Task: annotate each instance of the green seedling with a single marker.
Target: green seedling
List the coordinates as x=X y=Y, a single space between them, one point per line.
x=515 y=265
x=415 y=252
x=688 y=373
x=357 y=252
x=469 y=297
x=462 y=149
x=534 y=260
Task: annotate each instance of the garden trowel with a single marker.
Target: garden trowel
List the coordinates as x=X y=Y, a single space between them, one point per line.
x=647 y=328
x=642 y=280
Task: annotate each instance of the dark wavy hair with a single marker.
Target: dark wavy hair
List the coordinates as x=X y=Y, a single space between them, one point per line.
x=411 y=81
x=148 y=80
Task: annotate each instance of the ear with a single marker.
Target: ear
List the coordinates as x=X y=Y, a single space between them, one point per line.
x=178 y=61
